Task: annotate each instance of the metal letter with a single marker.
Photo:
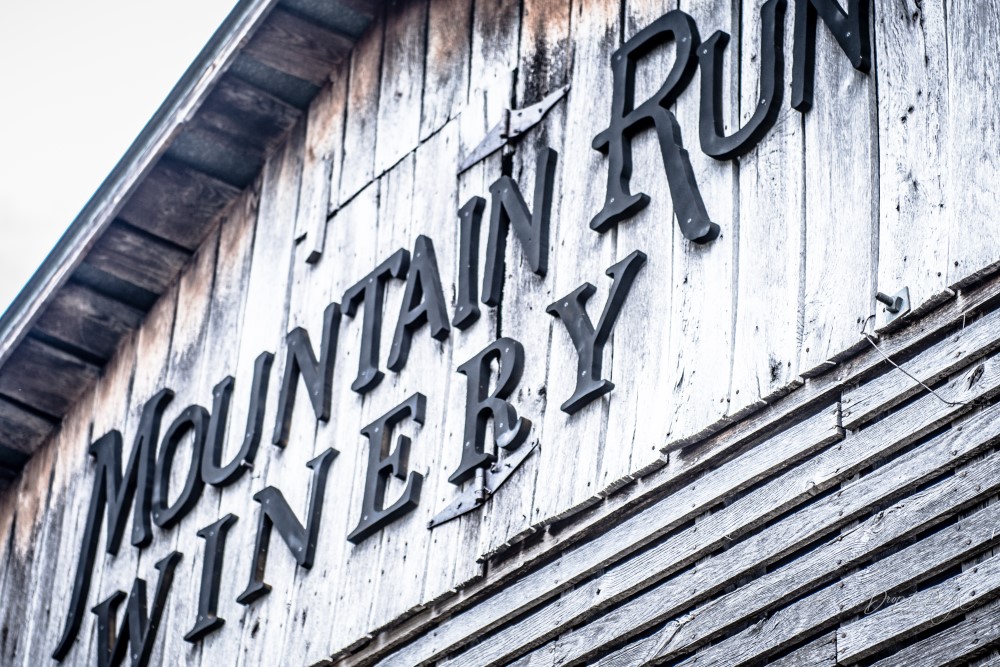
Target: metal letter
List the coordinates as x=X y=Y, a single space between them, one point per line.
x=714 y=143
x=849 y=29
x=195 y=419
x=626 y=121
x=423 y=303
x=470 y=217
x=381 y=464
x=137 y=631
x=590 y=342
x=211 y=576
x=317 y=375
x=531 y=227
x=116 y=493
x=300 y=540
x=211 y=470
x=509 y=430
x=371 y=291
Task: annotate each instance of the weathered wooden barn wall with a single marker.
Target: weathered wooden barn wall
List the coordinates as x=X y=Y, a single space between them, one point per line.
x=817 y=514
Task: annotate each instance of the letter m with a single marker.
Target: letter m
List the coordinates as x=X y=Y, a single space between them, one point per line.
x=116 y=492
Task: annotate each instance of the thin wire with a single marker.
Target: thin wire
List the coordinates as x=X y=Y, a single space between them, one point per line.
x=951 y=404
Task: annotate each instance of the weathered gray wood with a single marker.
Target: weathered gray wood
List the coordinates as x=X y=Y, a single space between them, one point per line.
x=238 y=116
x=39 y=375
x=630 y=437
x=31 y=545
x=131 y=256
x=703 y=303
x=812 y=477
x=88 y=321
x=923 y=609
x=956 y=351
x=447 y=65
x=582 y=255
x=978 y=632
x=973 y=126
x=397 y=129
x=116 y=408
x=622 y=540
x=95 y=217
x=819 y=653
x=362 y=112
x=322 y=164
x=177 y=203
x=355 y=255
x=23 y=431
x=263 y=317
x=192 y=366
x=543 y=66
x=769 y=307
x=912 y=72
x=298 y=47
x=840 y=204
x=914 y=514
x=863 y=590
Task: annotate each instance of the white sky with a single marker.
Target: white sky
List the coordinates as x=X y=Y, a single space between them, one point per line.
x=80 y=79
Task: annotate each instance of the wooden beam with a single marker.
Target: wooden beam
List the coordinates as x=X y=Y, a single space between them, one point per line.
x=87 y=320
x=177 y=203
x=45 y=378
x=126 y=253
x=300 y=48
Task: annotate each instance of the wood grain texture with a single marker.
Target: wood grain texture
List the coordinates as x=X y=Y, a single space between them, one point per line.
x=87 y=321
x=127 y=254
x=298 y=47
x=977 y=633
x=397 y=129
x=912 y=76
x=840 y=206
x=972 y=128
x=177 y=203
x=321 y=164
x=771 y=270
x=446 y=77
x=953 y=353
x=38 y=375
x=624 y=539
x=362 y=112
x=703 y=301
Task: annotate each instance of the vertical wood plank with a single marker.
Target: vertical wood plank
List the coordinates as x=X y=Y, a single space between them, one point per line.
x=912 y=77
x=229 y=295
x=703 y=301
x=447 y=66
x=191 y=374
x=117 y=409
x=402 y=83
x=544 y=64
x=841 y=182
x=362 y=112
x=264 y=317
x=322 y=163
x=771 y=262
x=582 y=255
x=972 y=136
x=358 y=253
x=321 y=612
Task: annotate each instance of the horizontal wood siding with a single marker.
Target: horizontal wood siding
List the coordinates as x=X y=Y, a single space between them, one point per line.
x=762 y=484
